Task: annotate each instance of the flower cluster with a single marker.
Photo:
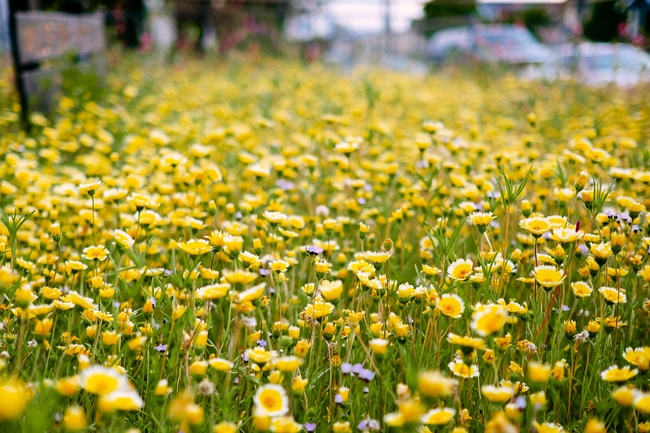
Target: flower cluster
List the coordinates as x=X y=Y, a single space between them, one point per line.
x=273 y=248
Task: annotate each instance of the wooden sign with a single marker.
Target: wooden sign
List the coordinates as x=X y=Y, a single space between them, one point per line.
x=40 y=42
x=49 y=35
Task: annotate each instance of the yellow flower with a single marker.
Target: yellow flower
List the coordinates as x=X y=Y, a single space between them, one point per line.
x=162 y=388
x=377 y=257
x=195 y=247
x=566 y=236
x=274 y=217
x=642 y=402
x=459 y=368
x=67 y=386
x=110 y=338
x=434 y=384
x=481 y=218
x=284 y=424
x=548 y=276
x=497 y=394
x=488 y=319
x=82 y=301
x=199 y=368
x=581 y=289
x=500 y=424
x=123 y=239
x=226 y=427
x=468 y=342
x=451 y=305
x=212 y=291
x=615 y=374
x=252 y=293
x=89 y=188
x=438 y=416
x=346 y=148
x=287 y=363
x=430 y=270
x=460 y=269
x=122 y=399
x=184 y=409
x=74 y=418
x=259 y=356
x=331 y=290
x=379 y=346
x=239 y=277
x=601 y=252
x=637 y=357
x=538 y=372
x=101 y=380
x=613 y=296
x=278 y=266
x=536 y=226
x=221 y=364
x=14 y=396
x=98 y=252
x=548 y=427
x=318 y=309
x=43 y=327
x=272 y=399
x=624 y=395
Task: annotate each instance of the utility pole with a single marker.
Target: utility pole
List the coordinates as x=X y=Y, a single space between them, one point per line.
x=387 y=29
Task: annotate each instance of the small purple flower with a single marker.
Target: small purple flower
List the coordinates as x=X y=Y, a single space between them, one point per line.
x=244 y=357
x=338 y=399
x=362 y=425
x=635 y=228
x=265 y=272
x=565 y=308
x=310 y=426
x=261 y=343
x=357 y=369
x=609 y=213
x=168 y=272
x=285 y=185
x=374 y=425
x=161 y=348
x=547 y=236
x=346 y=368
x=366 y=390
x=583 y=249
x=361 y=201
x=366 y=375
x=520 y=402
x=313 y=250
x=116 y=304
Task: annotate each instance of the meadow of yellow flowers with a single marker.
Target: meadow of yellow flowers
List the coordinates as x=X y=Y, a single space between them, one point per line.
x=274 y=247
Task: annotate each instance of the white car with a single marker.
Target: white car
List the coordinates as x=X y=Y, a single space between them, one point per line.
x=492 y=43
x=598 y=64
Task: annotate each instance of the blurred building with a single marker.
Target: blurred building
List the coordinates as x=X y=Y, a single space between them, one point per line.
x=4 y=26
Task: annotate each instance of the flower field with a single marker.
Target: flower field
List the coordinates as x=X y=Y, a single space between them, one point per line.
x=283 y=248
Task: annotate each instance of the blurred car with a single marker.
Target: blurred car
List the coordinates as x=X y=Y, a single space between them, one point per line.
x=501 y=43
x=598 y=64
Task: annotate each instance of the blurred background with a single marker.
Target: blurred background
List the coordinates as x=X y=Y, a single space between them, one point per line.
x=602 y=41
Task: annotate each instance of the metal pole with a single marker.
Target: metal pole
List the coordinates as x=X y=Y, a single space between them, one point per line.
x=15 y=6
x=387 y=47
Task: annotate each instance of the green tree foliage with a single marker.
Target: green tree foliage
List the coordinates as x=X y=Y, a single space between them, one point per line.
x=603 y=24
